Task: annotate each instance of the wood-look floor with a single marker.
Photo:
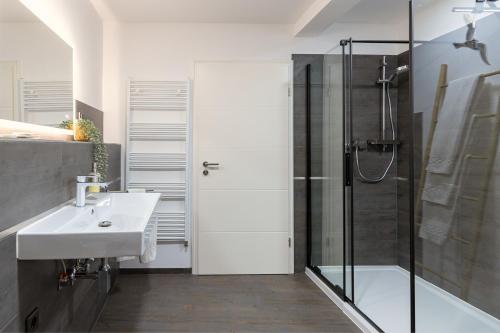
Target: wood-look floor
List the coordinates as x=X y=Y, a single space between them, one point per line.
x=187 y=303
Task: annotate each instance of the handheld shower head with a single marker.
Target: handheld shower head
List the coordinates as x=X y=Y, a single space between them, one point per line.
x=398 y=71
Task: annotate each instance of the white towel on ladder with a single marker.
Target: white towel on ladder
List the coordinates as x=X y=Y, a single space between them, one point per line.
x=443 y=183
x=451 y=124
x=441 y=189
x=150 y=234
x=436 y=222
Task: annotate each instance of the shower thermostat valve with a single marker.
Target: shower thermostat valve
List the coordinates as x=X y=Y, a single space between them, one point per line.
x=382 y=145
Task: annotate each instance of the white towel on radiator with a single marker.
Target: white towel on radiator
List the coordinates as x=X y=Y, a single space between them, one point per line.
x=451 y=124
x=125 y=258
x=151 y=238
x=136 y=190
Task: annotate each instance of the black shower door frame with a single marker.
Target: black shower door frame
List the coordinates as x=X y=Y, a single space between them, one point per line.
x=348 y=220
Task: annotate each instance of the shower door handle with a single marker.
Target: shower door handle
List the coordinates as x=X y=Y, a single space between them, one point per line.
x=348 y=169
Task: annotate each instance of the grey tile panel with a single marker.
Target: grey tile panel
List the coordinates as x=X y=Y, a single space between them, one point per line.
x=374 y=205
x=8 y=281
x=114 y=162
x=36 y=176
x=89 y=112
x=300 y=149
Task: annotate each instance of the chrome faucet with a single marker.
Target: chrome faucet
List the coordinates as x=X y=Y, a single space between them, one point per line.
x=82 y=182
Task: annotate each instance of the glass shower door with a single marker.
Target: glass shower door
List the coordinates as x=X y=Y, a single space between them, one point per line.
x=320 y=79
x=376 y=102
x=456 y=57
x=347 y=205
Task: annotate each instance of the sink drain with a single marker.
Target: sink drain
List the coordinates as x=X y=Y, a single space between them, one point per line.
x=105 y=224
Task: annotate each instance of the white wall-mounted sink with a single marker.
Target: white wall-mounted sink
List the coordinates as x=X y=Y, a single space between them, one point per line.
x=74 y=232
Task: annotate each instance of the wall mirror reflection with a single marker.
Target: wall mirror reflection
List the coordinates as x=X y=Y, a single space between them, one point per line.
x=36 y=69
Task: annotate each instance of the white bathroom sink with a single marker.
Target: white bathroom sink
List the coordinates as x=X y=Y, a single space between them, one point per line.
x=74 y=232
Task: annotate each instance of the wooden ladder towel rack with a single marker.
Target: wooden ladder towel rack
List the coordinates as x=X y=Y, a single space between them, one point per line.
x=489 y=158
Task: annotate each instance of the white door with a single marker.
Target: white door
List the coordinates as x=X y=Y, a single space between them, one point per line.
x=7 y=90
x=242 y=206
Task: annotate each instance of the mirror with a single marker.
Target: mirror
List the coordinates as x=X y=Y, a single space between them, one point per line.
x=36 y=69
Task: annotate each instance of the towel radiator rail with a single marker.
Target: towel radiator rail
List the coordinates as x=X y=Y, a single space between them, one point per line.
x=45 y=99
x=155 y=169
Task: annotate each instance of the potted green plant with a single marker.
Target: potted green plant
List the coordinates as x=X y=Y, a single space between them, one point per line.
x=86 y=131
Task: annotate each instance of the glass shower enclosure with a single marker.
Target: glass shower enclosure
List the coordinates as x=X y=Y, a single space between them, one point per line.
x=354 y=190
x=402 y=172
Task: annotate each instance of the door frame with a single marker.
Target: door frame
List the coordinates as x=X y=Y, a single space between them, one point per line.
x=196 y=161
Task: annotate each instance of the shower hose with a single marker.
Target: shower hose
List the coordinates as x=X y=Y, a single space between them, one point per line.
x=362 y=176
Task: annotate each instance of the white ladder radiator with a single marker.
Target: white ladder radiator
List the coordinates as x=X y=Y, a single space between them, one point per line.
x=158 y=151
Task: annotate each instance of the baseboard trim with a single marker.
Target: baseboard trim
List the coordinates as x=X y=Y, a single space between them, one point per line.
x=355 y=317
x=155 y=270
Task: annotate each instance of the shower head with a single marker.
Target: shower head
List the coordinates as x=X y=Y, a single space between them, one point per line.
x=398 y=71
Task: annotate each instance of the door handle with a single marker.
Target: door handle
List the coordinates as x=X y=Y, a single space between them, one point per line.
x=210 y=165
x=348 y=170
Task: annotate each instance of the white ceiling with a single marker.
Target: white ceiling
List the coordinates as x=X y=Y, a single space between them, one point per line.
x=377 y=12
x=15 y=11
x=209 y=11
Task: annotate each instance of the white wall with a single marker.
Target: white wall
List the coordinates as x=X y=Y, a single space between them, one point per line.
x=168 y=51
x=40 y=54
x=164 y=51
x=79 y=25
x=114 y=84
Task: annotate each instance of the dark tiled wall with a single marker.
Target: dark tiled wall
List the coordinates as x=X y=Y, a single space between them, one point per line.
x=299 y=118
x=36 y=176
x=404 y=128
x=445 y=264
x=114 y=165
x=88 y=112
x=375 y=205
